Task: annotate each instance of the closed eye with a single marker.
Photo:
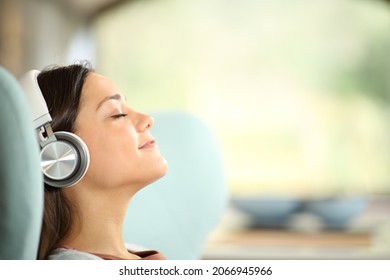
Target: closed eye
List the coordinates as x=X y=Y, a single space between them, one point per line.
x=118 y=116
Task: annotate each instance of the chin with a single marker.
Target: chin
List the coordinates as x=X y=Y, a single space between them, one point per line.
x=158 y=172
x=162 y=170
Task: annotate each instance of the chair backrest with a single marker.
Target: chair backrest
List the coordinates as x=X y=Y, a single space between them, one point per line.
x=21 y=182
x=177 y=213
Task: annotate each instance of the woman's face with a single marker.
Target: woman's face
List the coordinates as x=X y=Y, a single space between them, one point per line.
x=122 y=150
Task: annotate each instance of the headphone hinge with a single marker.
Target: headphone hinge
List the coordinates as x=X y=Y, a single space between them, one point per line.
x=45 y=135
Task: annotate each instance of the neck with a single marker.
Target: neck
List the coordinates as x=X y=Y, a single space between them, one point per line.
x=99 y=228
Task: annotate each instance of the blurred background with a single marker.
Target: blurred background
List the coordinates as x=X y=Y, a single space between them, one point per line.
x=296 y=92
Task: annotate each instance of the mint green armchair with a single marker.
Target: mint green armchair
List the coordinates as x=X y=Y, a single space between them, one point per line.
x=177 y=213
x=21 y=183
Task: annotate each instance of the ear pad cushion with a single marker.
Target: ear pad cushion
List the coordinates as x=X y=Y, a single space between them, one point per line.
x=64 y=162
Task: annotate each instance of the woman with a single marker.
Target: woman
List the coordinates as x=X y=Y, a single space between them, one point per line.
x=85 y=221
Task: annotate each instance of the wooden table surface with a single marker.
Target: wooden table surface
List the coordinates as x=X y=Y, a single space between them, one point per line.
x=280 y=238
x=275 y=244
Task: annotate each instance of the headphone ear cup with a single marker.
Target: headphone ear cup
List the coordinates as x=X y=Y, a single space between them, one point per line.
x=65 y=161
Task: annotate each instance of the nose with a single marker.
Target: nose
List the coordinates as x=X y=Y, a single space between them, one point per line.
x=145 y=122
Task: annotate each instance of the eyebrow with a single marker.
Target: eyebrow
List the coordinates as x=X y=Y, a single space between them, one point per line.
x=107 y=98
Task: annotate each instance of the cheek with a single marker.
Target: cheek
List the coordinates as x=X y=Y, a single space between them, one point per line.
x=111 y=152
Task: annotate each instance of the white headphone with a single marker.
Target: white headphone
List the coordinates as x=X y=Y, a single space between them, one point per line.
x=64 y=156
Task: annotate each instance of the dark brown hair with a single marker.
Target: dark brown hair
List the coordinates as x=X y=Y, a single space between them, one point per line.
x=61 y=87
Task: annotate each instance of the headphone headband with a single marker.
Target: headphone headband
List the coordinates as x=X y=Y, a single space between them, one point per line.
x=38 y=106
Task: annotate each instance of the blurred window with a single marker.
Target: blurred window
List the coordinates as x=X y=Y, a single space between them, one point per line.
x=297 y=92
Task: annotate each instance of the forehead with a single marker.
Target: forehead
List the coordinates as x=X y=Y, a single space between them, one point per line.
x=97 y=87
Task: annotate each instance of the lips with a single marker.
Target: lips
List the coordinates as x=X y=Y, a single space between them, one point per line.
x=150 y=143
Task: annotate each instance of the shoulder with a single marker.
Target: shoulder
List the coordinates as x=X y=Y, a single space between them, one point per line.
x=70 y=254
